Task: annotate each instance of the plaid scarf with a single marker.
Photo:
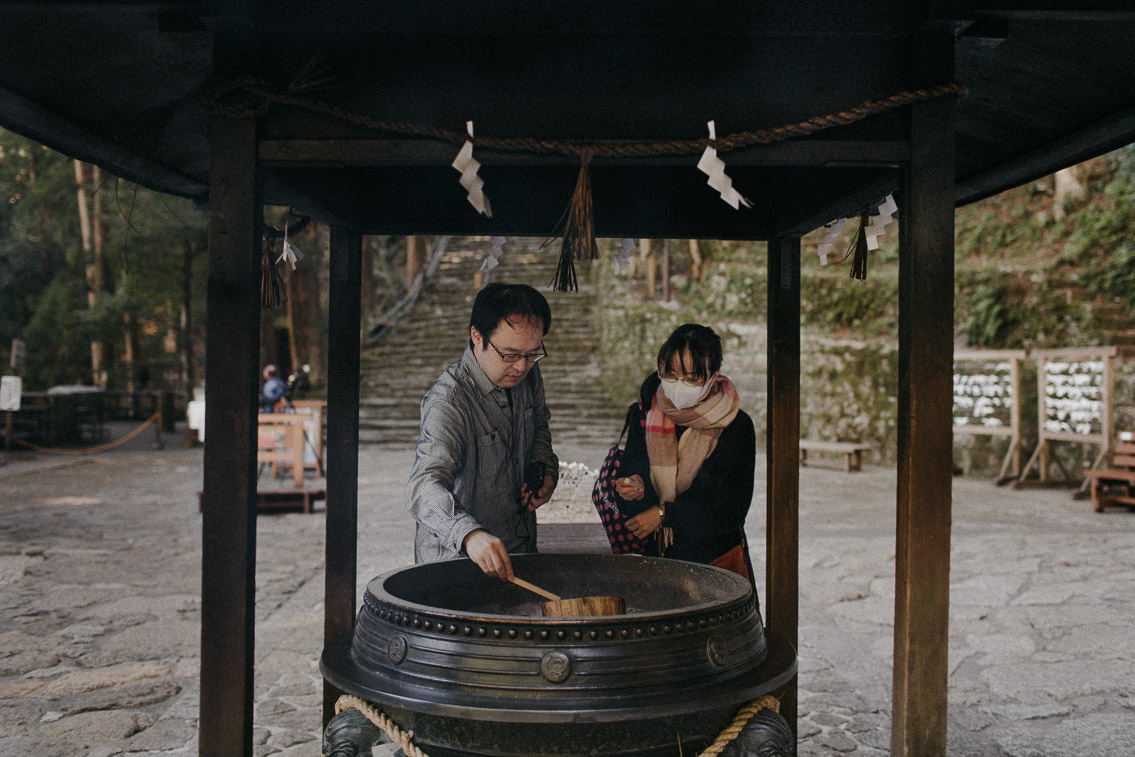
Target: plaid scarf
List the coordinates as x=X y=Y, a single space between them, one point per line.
x=674 y=462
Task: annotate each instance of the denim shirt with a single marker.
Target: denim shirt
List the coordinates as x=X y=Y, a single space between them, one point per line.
x=470 y=459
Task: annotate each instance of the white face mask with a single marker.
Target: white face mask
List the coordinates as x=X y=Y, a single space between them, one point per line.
x=682 y=394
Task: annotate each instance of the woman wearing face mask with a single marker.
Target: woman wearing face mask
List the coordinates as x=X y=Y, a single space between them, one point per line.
x=687 y=472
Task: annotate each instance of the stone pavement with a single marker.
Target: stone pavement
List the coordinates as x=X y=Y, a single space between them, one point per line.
x=100 y=580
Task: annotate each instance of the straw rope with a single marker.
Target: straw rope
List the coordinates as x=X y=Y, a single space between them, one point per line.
x=388 y=726
x=156 y=417
x=252 y=97
x=404 y=739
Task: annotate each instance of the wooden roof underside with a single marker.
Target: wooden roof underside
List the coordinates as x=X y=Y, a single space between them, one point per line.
x=121 y=84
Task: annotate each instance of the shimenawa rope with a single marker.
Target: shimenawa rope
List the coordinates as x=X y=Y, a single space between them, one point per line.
x=404 y=739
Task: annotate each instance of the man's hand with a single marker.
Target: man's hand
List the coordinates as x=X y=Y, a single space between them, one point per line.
x=532 y=501
x=489 y=553
x=645 y=523
x=630 y=488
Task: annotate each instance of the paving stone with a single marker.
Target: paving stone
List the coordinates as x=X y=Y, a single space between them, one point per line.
x=836 y=741
x=81 y=681
x=128 y=696
x=25 y=662
x=17 y=712
x=165 y=735
x=100 y=726
x=1102 y=735
x=133 y=569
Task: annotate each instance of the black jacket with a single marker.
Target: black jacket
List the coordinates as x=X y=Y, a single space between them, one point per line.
x=708 y=517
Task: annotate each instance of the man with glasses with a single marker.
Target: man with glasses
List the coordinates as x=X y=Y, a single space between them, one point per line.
x=484 y=432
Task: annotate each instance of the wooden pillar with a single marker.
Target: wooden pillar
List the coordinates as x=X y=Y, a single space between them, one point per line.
x=925 y=403
x=344 y=312
x=228 y=501
x=782 y=451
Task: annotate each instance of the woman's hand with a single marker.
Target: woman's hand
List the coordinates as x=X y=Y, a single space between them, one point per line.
x=630 y=488
x=645 y=523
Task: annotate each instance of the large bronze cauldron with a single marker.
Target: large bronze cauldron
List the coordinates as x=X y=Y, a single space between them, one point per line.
x=470 y=665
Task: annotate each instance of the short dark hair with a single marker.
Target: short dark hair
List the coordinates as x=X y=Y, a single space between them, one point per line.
x=499 y=301
x=704 y=345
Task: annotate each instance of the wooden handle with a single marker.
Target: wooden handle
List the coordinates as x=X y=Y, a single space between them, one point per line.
x=537 y=589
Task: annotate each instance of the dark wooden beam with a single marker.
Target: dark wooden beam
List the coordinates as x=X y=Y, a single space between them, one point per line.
x=782 y=451
x=344 y=341
x=33 y=121
x=228 y=501
x=925 y=403
x=804 y=214
x=1102 y=135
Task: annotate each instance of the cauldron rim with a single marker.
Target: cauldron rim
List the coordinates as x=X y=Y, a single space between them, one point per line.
x=376 y=588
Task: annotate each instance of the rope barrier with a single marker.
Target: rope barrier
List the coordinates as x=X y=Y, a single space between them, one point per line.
x=404 y=739
x=259 y=98
x=156 y=417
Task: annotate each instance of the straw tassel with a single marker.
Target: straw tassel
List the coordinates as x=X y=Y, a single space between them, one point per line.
x=271 y=282
x=579 y=231
x=859 y=260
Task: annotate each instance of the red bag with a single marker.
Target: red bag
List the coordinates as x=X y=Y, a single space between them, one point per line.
x=606 y=501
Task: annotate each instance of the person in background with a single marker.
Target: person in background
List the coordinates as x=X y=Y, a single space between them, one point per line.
x=273 y=389
x=484 y=459
x=299 y=382
x=689 y=460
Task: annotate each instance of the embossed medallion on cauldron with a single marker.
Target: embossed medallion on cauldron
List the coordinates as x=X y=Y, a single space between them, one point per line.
x=472 y=667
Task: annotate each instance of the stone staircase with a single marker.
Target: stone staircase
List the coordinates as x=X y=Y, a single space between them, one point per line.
x=401 y=366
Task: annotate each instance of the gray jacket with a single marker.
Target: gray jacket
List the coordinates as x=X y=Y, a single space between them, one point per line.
x=470 y=460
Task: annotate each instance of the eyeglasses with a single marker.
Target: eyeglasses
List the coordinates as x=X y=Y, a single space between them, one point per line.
x=516 y=357
x=688 y=382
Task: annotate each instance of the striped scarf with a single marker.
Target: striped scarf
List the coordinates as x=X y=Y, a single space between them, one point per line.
x=674 y=462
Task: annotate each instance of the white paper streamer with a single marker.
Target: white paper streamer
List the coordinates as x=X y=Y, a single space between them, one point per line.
x=878 y=225
x=834 y=230
x=496 y=249
x=623 y=255
x=474 y=184
x=291 y=253
x=714 y=167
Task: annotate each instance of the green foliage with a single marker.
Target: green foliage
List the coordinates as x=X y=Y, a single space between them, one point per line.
x=991 y=316
x=58 y=339
x=153 y=248
x=841 y=305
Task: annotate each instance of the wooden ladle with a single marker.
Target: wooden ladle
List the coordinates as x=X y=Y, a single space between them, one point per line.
x=574 y=607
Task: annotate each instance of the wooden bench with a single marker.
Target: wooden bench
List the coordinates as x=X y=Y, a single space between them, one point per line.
x=852 y=452
x=1115 y=486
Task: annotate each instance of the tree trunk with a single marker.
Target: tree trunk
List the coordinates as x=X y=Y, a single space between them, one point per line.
x=90 y=227
x=185 y=326
x=649 y=267
x=415 y=258
x=305 y=317
x=1066 y=187
x=698 y=268
x=665 y=270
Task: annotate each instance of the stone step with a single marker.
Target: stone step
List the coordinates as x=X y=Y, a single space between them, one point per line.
x=399 y=369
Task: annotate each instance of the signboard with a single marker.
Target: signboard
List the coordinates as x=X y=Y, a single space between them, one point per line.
x=10 y=389
x=987 y=397
x=1074 y=391
x=17 y=360
x=1074 y=396
x=985 y=393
